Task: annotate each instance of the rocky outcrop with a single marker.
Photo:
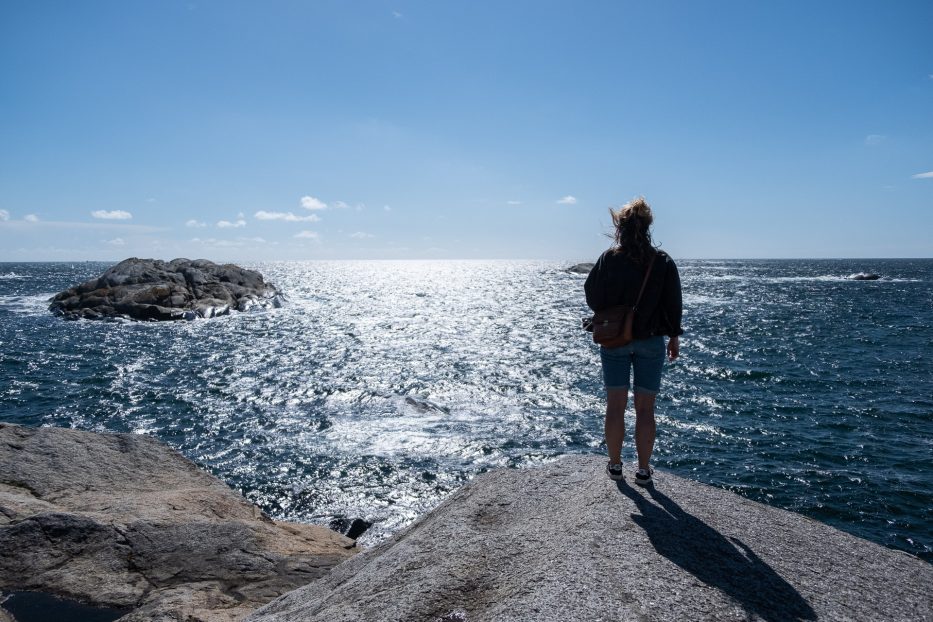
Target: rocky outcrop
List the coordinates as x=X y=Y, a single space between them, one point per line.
x=181 y=289
x=563 y=542
x=863 y=276
x=123 y=521
x=581 y=268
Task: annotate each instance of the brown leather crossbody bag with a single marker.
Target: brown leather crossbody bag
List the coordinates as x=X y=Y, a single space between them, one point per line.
x=612 y=327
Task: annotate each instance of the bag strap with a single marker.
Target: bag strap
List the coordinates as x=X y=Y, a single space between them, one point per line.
x=645 y=282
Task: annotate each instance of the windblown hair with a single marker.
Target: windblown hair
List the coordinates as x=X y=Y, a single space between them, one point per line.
x=632 y=234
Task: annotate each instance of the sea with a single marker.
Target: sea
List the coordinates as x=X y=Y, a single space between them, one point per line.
x=382 y=386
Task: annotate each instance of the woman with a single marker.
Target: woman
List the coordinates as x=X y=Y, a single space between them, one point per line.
x=615 y=280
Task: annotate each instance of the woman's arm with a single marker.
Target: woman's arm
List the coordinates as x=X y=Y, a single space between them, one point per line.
x=672 y=300
x=593 y=287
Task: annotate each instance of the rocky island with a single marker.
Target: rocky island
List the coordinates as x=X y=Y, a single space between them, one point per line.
x=581 y=268
x=181 y=289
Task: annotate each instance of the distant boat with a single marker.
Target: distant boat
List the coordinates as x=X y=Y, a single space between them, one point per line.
x=863 y=276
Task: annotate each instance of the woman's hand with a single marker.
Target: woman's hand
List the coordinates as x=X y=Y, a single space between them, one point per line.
x=673 y=348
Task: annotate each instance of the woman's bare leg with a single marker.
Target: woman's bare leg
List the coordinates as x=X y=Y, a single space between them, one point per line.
x=645 y=428
x=616 y=400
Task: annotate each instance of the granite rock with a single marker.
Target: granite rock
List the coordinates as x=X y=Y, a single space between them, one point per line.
x=181 y=289
x=563 y=542
x=121 y=520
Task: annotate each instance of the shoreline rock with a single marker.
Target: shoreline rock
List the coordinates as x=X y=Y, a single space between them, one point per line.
x=121 y=520
x=154 y=290
x=562 y=542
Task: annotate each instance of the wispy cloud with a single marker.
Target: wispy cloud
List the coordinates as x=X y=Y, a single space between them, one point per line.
x=237 y=243
x=286 y=216
x=196 y=223
x=116 y=242
x=928 y=175
x=568 y=200
x=361 y=235
x=226 y=224
x=31 y=221
x=117 y=214
x=4 y=215
x=386 y=208
x=340 y=205
x=397 y=14
x=513 y=202
x=307 y=235
x=875 y=139
x=312 y=203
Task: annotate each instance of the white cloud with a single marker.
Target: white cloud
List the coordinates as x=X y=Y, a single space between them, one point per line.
x=387 y=208
x=361 y=235
x=568 y=200
x=258 y=240
x=226 y=224
x=117 y=214
x=4 y=215
x=397 y=14
x=875 y=139
x=307 y=235
x=928 y=175
x=286 y=216
x=309 y=202
x=195 y=223
x=340 y=205
x=514 y=202
x=31 y=218
x=116 y=242
x=151 y=200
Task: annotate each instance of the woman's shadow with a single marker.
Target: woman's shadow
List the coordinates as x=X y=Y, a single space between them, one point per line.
x=727 y=564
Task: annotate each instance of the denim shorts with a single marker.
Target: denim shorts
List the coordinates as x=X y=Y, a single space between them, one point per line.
x=645 y=355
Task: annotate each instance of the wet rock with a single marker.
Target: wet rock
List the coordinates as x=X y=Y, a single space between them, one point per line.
x=863 y=276
x=181 y=289
x=563 y=542
x=424 y=406
x=352 y=529
x=581 y=268
x=120 y=520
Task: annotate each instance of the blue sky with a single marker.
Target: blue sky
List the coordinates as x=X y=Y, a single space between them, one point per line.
x=452 y=129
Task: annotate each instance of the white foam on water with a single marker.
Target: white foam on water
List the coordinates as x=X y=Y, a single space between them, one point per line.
x=26 y=305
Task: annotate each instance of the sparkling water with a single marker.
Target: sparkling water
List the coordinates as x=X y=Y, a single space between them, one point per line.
x=382 y=386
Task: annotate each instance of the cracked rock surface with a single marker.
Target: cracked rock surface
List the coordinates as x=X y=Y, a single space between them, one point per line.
x=121 y=520
x=563 y=542
x=181 y=289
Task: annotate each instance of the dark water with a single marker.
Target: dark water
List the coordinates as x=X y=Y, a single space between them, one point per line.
x=383 y=386
x=42 y=607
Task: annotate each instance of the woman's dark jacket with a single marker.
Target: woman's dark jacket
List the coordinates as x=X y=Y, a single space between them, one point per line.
x=616 y=279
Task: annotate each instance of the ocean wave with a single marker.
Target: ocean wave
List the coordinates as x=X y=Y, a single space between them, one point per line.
x=30 y=305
